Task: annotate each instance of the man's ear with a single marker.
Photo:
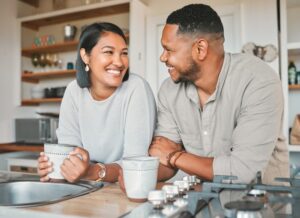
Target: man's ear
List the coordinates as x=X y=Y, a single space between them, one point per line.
x=200 y=48
x=84 y=56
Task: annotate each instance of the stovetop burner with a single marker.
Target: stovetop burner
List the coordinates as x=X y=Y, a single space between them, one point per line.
x=239 y=209
x=256 y=193
x=244 y=205
x=223 y=197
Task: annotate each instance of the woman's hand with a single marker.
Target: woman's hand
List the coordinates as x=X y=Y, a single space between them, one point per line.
x=76 y=166
x=44 y=167
x=121 y=181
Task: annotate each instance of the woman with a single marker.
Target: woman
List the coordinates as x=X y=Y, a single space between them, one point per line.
x=108 y=113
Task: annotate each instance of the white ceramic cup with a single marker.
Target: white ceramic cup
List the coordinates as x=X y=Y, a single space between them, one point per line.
x=140 y=176
x=57 y=153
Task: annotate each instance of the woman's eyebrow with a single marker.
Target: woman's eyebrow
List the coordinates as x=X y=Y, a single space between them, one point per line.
x=107 y=46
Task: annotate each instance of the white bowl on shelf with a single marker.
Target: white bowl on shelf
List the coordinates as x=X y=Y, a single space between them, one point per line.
x=37 y=92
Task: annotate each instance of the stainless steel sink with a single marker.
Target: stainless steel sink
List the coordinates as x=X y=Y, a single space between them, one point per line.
x=20 y=193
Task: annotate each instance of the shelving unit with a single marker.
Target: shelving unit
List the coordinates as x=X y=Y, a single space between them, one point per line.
x=57 y=47
x=293 y=48
x=45 y=24
x=78 y=13
x=37 y=76
x=34 y=3
x=294 y=148
x=17 y=147
x=37 y=101
x=290 y=51
x=294 y=87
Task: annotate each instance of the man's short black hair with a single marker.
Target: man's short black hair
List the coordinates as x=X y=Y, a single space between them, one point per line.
x=196 y=19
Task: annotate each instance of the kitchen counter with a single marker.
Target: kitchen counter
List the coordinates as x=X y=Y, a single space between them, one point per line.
x=108 y=201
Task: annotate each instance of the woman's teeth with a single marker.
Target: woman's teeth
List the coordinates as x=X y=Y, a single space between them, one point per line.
x=114 y=72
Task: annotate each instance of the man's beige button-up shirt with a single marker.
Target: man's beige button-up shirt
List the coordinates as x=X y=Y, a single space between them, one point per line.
x=240 y=125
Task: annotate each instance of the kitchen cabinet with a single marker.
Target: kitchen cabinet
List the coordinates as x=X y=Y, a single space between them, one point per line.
x=290 y=51
x=128 y=14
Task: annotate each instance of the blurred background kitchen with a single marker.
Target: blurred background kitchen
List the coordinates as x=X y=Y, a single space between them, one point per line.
x=38 y=52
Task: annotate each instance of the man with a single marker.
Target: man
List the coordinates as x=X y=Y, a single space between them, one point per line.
x=218 y=113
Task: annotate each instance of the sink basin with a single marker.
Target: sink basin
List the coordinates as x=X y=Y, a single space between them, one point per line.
x=35 y=193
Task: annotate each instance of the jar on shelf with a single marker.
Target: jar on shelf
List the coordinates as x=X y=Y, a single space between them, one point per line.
x=292 y=73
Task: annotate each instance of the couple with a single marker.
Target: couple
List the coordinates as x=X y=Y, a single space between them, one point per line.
x=218 y=113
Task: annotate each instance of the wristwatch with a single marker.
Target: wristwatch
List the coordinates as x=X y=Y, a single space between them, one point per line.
x=102 y=172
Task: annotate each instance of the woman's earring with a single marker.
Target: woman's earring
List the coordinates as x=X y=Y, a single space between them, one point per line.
x=86 y=68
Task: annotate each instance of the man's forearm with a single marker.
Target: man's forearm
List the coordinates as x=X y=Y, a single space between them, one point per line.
x=164 y=173
x=202 y=167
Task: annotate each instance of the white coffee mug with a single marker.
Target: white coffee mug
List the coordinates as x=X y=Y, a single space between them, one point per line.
x=57 y=153
x=140 y=176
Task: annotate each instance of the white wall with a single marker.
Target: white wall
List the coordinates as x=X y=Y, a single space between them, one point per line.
x=9 y=62
x=260 y=29
x=161 y=7
x=10 y=71
x=259 y=19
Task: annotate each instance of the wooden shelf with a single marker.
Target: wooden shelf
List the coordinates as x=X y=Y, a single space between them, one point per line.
x=20 y=147
x=34 y=3
x=294 y=87
x=76 y=13
x=58 y=47
x=29 y=102
x=293 y=45
x=35 y=77
x=293 y=48
x=294 y=148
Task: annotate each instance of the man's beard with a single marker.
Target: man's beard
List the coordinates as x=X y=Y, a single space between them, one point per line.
x=190 y=74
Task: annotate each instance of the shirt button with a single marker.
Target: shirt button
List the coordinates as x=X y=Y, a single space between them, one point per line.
x=205 y=132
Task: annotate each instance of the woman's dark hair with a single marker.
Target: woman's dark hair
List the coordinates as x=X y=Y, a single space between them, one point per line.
x=88 y=39
x=197 y=19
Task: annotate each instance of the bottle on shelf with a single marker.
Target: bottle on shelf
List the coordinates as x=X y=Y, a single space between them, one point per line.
x=292 y=72
x=298 y=77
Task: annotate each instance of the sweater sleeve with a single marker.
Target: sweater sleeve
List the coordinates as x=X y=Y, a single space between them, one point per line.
x=68 y=131
x=140 y=120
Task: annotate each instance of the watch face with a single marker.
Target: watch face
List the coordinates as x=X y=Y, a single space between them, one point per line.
x=102 y=171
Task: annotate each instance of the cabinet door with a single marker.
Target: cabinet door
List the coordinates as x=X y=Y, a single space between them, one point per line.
x=156 y=71
x=137 y=37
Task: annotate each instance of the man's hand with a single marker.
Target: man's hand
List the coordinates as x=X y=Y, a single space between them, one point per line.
x=76 y=166
x=161 y=147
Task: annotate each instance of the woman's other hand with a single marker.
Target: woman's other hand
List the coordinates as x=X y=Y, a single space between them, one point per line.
x=76 y=166
x=44 y=167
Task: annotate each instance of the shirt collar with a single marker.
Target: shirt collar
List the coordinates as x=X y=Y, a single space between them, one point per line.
x=191 y=90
